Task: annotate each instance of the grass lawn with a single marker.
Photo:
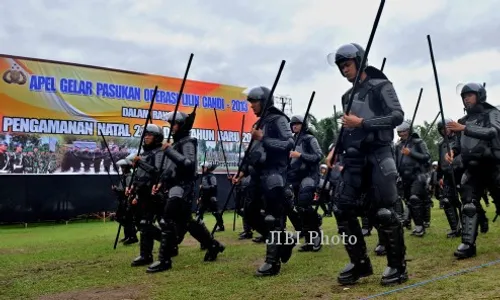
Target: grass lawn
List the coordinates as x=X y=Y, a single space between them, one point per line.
x=77 y=261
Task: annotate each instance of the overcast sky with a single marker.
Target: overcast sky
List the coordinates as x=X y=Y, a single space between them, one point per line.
x=243 y=42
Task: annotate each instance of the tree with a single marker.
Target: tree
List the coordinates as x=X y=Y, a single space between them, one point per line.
x=432 y=138
x=26 y=140
x=327 y=130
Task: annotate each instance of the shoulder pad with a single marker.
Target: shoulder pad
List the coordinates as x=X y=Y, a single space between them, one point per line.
x=417 y=140
x=155 y=150
x=306 y=135
x=493 y=110
x=489 y=106
x=275 y=111
x=347 y=93
x=377 y=82
x=188 y=139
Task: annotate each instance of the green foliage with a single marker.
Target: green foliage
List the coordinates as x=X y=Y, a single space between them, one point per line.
x=28 y=140
x=431 y=137
x=326 y=130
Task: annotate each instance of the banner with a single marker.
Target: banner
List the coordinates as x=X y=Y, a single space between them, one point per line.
x=52 y=114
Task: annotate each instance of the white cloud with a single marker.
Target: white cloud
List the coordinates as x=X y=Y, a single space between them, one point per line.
x=471 y=67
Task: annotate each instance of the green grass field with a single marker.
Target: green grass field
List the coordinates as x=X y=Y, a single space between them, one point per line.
x=77 y=261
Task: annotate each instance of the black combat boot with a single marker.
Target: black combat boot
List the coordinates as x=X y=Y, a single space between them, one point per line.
x=427 y=215
x=295 y=219
x=259 y=240
x=452 y=217
x=131 y=240
x=360 y=265
x=467 y=248
x=146 y=251
x=395 y=272
x=482 y=220
x=311 y=223
x=213 y=250
x=167 y=249
x=199 y=231
x=272 y=264
x=245 y=235
x=286 y=248
x=416 y=214
x=399 y=210
x=247 y=230
x=407 y=218
x=380 y=248
x=220 y=221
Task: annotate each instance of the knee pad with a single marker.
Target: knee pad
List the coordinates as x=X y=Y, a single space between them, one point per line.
x=465 y=178
x=414 y=200
x=270 y=221
x=274 y=181
x=145 y=226
x=446 y=202
x=305 y=197
x=166 y=224
x=469 y=209
x=386 y=217
x=176 y=192
x=307 y=182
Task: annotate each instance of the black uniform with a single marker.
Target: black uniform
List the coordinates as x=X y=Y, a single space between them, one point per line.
x=241 y=197
x=369 y=166
x=178 y=181
x=267 y=165
x=325 y=197
x=412 y=170
x=428 y=204
x=208 y=196
x=148 y=205
x=479 y=147
x=126 y=213
x=449 y=197
x=303 y=176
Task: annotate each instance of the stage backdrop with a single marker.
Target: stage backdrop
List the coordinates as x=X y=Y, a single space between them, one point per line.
x=52 y=114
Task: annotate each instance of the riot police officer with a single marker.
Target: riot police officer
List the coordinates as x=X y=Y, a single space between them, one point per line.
x=479 y=146
x=368 y=166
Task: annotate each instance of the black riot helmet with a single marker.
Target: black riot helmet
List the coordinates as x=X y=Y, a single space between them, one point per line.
x=157 y=132
x=126 y=163
x=405 y=126
x=183 y=120
x=298 y=119
x=440 y=126
x=347 y=52
x=475 y=88
x=260 y=94
x=210 y=167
